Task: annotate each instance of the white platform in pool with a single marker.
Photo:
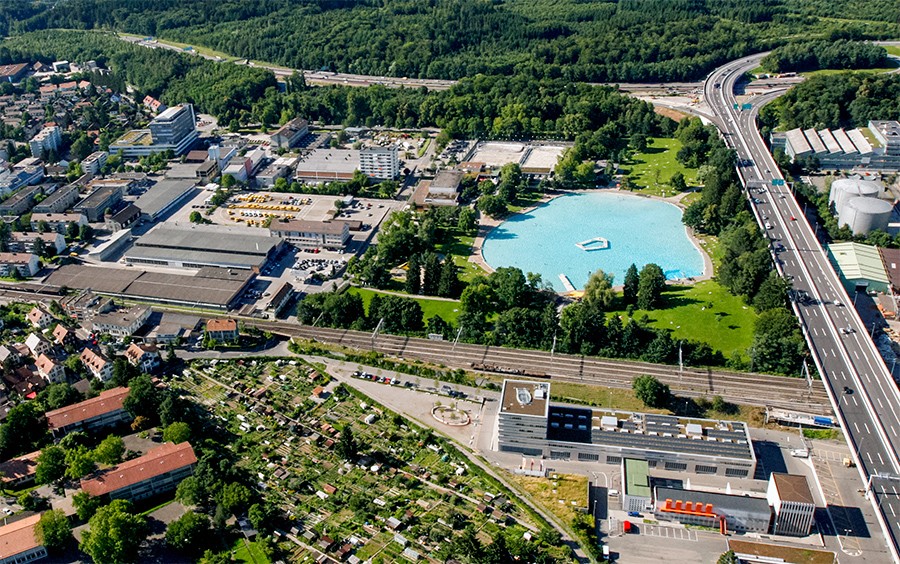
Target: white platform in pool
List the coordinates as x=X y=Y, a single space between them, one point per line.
x=595 y=244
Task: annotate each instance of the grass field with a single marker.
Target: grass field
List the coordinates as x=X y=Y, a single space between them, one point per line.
x=248 y=552
x=649 y=172
x=460 y=248
x=446 y=309
x=893 y=50
x=828 y=72
x=706 y=312
x=562 y=496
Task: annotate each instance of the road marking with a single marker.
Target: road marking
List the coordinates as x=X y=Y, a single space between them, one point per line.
x=866 y=425
x=857 y=426
x=869 y=456
x=881 y=460
x=833 y=353
x=856 y=354
x=879 y=402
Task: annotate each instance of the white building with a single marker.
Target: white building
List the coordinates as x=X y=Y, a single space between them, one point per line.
x=26 y=263
x=789 y=496
x=47 y=139
x=37 y=345
x=121 y=323
x=50 y=370
x=98 y=366
x=94 y=162
x=312 y=234
x=174 y=129
x=380 y=162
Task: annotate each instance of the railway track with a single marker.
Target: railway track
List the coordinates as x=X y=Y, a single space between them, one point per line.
x=735 y=387
x=751 y=389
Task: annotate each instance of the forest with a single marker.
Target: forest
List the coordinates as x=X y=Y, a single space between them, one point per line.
x=624 y=40
x=848 y=99
x=814 y=55
x=482 y=106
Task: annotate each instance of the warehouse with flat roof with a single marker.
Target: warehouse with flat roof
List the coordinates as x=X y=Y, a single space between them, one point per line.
x=529 y=424
x=211 y=288
x=198 y=246
x=163 y=197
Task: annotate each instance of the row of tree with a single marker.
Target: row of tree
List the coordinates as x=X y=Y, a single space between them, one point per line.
x=815 y=55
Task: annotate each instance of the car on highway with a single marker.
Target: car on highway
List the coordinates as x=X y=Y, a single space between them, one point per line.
x=847 y=390
x=768 y=225
x=847 y=330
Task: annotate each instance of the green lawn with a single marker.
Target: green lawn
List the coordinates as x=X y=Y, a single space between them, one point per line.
x=893 y=50
x=827 y=72
x=460 y=248
x=248 y=552
x=706 y=312
x=649 y=172
x=448 y=310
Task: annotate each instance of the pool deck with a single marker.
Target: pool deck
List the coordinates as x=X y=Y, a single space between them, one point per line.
x=487 y=224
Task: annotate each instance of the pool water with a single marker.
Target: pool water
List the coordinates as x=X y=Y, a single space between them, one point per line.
x=639 y=230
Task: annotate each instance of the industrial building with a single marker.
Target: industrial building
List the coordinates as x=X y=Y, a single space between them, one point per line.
x=857 y=205
x=636 y=492
x=529 y=424
x=738 y=513
x=197 y=246
x=793 y=504
x=859 y=266
x=290 y=134
x=211 y=288
x=875 y=147
x=312 y=234
x=163 y=197
x=47 y=139
x=443 y=190
x=158 y=471
x=380 y=162
x=173 y=130
x=327 y=165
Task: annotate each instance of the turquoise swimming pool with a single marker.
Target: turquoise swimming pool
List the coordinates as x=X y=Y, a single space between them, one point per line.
x=575 y=234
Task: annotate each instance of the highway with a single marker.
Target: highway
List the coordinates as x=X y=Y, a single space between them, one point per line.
x=861 y=390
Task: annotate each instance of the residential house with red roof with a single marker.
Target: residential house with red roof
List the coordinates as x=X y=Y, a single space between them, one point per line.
x=158 y=471
x=105 y=410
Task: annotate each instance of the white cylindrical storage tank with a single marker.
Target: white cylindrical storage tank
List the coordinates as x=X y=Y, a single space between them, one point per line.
x=864 y=215
x=844 y=189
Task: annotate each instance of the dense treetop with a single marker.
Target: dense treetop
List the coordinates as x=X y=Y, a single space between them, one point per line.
x=624 y=40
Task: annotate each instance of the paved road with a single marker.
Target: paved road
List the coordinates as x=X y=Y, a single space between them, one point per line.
x=859 y=386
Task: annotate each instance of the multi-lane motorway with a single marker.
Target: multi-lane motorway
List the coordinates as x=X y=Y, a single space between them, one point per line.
x=861 y=390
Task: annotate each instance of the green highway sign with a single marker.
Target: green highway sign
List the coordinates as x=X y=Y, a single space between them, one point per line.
x=778 y=182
